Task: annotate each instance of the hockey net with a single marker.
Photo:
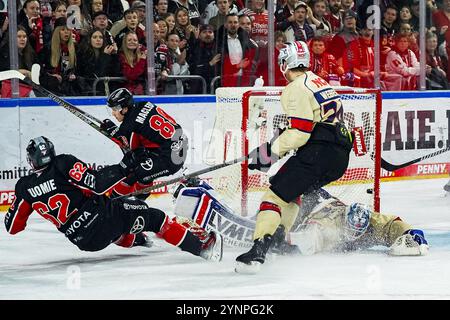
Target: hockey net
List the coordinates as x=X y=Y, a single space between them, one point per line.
x=258 y=112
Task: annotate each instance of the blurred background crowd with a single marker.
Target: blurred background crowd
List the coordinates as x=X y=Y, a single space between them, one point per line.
x=91 y=47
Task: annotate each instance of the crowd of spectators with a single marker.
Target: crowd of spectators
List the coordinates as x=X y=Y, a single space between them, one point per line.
x=79 y=41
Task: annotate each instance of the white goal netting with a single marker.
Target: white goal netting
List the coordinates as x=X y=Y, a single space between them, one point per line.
x=247 y=117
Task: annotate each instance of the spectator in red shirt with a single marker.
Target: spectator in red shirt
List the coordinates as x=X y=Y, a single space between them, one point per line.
x=345 y=48
x=323 y=63
x=402 y=61
x=260 y=35
x=133 y=62
x=365 y=69
x=30 y=18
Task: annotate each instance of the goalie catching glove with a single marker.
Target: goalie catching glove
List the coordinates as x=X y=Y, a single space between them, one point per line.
x=262 y=158
x=411 y=243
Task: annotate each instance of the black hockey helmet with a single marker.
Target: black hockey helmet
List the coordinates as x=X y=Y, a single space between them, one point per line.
x=40 y=152
x=120 y=98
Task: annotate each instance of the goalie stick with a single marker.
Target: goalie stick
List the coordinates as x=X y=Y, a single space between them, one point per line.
x=392 y=167
x=84 y=116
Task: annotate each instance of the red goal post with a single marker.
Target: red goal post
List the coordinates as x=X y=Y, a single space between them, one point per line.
x=257 y=112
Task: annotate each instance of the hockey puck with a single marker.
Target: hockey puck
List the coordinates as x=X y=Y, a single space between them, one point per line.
x=370 y=191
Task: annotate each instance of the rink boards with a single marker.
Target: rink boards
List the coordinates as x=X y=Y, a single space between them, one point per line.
x=414 y=124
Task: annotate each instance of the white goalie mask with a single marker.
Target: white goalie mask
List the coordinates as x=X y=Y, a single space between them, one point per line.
x=357 y=219
x=293 y=55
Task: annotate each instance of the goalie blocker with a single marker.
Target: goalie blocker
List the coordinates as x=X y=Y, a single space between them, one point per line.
x=324 y=224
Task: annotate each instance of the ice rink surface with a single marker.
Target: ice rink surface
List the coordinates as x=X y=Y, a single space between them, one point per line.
x=39 y=263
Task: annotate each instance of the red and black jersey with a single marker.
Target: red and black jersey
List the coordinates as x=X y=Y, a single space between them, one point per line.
x=147 y=125
x=59 y=192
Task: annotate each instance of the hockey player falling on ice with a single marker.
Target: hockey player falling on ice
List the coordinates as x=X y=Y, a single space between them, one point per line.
x=329 y=225
x=148 y=127
x=324 y=224
x=317 y=134
x=66 y=192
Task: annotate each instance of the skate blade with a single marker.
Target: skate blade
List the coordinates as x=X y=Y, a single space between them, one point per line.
x=243 y=268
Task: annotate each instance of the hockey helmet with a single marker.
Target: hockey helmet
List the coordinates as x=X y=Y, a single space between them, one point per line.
x=119 y=99
x=357 y=219
x=295 y=54
x=40 y=152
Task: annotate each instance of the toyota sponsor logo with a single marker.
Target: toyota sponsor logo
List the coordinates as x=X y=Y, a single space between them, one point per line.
x=138 y=225
x=147 y=164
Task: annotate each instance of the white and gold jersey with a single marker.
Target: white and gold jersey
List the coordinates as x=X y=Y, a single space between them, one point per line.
x=307 y=100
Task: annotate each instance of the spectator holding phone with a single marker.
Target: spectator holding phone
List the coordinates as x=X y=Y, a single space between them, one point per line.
x=99 y=59
x=30 y=18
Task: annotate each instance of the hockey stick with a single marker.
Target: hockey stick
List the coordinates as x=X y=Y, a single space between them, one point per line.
x=10 y=74
x=392 y=167
x=186 y=176
x=84 y=116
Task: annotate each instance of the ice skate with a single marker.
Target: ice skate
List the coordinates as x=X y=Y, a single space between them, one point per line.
x=213 y=247
x=279 y=244
x=250 y=262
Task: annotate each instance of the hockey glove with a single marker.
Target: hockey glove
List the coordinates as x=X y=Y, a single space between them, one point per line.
x=109 y=127
x=261 y=158
x=417 y=236
x=129 y=162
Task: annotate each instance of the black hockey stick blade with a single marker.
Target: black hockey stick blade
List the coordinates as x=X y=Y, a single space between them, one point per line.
x=392 y=167
x=186 y=176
